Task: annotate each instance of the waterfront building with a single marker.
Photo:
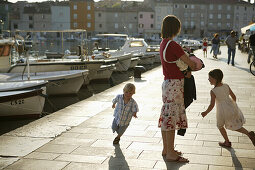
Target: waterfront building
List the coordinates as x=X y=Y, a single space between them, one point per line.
x=82 y=15
x=4 y=15
x=204 y=17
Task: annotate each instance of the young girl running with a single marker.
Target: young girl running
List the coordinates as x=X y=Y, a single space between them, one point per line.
x=205 y=44
x=227 y=111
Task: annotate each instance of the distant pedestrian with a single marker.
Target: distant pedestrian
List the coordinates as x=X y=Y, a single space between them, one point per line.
x=173 y=115
x=204 y=47
x=231 y=41
x=215 y=45
x=124 y=111
x=251 y=47
x=227 y=112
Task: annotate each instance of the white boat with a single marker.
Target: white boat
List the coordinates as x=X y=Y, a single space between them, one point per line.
x=59 y=82
x=136 y=46
x=139 y=48
x=123 y=59
x=18 y=99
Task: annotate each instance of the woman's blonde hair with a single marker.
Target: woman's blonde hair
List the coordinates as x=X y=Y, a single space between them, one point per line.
x=129 y=88
x=170 y=27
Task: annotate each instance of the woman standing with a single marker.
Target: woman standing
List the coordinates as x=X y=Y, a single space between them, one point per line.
x=173 y=116
x=215 y=45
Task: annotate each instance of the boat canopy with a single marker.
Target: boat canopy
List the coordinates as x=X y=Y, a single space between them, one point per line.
x=111 y=35
x=248 y=28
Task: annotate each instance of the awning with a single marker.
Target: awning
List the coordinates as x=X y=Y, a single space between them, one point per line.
x=248 y=28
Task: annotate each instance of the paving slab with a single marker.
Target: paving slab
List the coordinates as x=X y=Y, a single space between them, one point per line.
x=80 y=136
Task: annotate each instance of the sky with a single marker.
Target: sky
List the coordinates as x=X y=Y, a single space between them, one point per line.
x=252 y=1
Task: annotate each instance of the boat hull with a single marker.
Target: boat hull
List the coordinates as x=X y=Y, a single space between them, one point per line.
x=26 y=103
x=147 y=60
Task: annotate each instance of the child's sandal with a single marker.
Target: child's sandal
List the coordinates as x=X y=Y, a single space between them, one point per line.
x=225 y=144
x=116 y=141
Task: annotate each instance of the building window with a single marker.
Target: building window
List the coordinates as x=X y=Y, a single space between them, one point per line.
x=219 y=7
x=202 y=23
x=245 y=8
x=185 y=6
x=192 y=23
x=74 y=7
x=74 y=16
x=116 y=25
x=202 y=15
x=31 y=26
x=60 y=25
x=116 y=15
x=186 y=15
x=100 y=25
x=15 y=26
x=228 y=7
x=210 y=24
x=88 y=16
x=228 y=25
x=44 y=25
x=141 y=15
x=89 y=7
x=75 y=24
x=152 y=25
x=89 y=25
x=192 y=6
x=211 y=16
x=176 y=6
x=99 y=14
x=219 y=25
x=43 y=16
x=228 y=16
x=219 y=16
x=140 y=25
x=192 y=15
x=130 y=26
x=30 y=18
x=211 y=7
x=152 y=16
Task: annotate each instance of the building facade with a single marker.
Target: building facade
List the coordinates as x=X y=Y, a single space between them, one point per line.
x=82 y=15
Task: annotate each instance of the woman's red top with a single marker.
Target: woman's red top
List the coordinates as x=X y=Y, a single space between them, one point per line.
x=174 y=52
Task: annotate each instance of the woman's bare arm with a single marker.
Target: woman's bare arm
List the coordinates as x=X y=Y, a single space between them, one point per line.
x=188 y=61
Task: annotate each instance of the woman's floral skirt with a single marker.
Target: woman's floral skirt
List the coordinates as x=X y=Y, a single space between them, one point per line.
x=173 y=115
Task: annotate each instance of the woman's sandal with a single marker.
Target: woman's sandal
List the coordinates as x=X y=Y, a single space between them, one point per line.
x=225 y=144
x=177 y=152
x=178 y=159
x=116 y=141
x=252 y=137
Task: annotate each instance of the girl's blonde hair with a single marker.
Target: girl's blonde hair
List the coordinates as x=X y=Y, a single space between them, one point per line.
x=217 y=74
x=129 y=88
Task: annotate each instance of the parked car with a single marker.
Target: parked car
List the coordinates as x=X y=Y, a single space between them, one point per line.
x=191 y=44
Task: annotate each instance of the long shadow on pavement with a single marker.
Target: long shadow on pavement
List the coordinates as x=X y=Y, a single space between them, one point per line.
x=236 y=162
x=119 y=161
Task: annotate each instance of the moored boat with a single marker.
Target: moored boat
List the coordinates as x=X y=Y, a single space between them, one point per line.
x=25 y=98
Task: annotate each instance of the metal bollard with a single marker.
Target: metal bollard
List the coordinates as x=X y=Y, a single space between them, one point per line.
x=138 y=71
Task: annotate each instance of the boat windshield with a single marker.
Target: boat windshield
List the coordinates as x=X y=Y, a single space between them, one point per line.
x=136 y=44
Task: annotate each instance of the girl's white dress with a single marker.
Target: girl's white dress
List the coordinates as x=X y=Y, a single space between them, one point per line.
x=227 y=111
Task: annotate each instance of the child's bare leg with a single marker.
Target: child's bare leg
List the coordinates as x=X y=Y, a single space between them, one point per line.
x=243 y=130
x=224 y=134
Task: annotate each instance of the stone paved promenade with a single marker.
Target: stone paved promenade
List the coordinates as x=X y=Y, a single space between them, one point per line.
x=79 y=137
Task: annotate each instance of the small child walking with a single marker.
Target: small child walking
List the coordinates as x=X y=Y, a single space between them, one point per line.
x=227 y=111
x=125 y=109
x=204 y=47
